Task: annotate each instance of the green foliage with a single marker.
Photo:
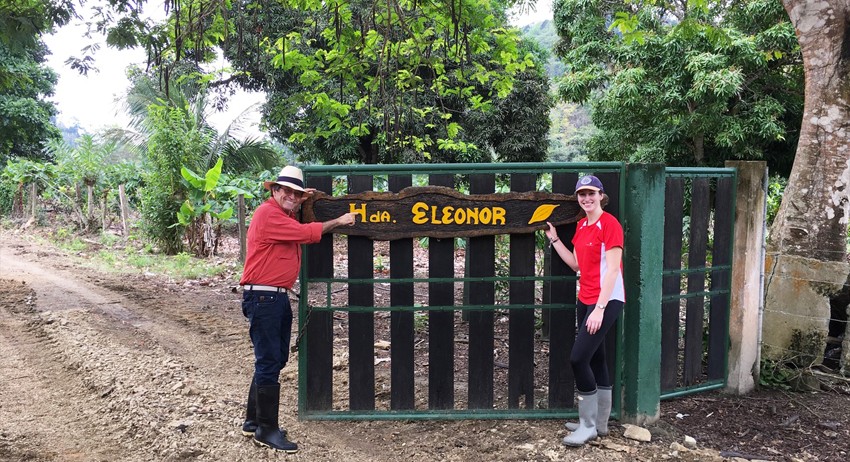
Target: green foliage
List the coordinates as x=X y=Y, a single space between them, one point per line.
x=18 y=173
x=370 y=82
x=118 y=255
x=545 y=34
x=22 y=22
x=8 y=190
x=25 y=83
x=775 y=191
x=420 y=321
x=186 y=89
x=201 y=214
x=773 y=374
x=174 y=142
x=684 y=83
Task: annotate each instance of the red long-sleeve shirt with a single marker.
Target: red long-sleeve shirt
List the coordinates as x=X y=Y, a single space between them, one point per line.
x=274 y=246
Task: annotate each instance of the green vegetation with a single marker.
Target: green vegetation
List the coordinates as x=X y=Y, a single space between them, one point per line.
x=25 y=82
x=691 y=83
x=773 y=374
x=775 y=191
x=113 y=254
x=392 y=82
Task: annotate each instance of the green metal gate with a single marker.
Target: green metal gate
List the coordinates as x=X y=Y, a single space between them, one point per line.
x=387 y=336
x=699 y=217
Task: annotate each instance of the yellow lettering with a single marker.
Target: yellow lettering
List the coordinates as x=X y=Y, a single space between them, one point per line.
x=361 y=210
x=418 y=213
x=486 y=215
x=472 y=216
x=447 y=215
x=460 y=216
x=385 y=217
x=498 y=216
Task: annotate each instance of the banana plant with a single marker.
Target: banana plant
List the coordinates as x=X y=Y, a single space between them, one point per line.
x=202 y=214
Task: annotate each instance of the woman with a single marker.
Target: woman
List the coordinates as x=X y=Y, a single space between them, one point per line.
x=597 y=254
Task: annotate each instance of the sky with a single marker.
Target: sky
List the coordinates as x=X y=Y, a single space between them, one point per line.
x=92 y=101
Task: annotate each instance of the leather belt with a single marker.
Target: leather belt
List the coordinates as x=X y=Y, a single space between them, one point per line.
x=263 y=288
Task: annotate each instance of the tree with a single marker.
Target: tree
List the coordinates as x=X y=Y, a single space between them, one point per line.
x=378 y=81
x=84 y=165
x=685 y=83
x=807 y=247
x=25 y=83
x=189 y=92
x=517 y=127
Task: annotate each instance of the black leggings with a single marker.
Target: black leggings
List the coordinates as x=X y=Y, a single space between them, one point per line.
x=588 y=358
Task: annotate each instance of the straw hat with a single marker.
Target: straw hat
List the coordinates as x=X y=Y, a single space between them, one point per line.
x=290 y=177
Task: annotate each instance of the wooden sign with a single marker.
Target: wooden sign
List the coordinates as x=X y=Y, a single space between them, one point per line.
x=437 y=211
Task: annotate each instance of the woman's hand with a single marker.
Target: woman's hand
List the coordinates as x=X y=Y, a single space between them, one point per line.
x=594 y=321
x=550 y=232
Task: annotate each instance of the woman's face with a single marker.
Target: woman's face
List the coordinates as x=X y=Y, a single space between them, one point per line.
x=589 y=200
x=289 y=199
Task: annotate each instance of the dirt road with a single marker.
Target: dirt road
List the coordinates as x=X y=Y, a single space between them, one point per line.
x=98 y=366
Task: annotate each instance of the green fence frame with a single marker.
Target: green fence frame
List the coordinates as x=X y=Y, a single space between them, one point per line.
x=638 y=338
x=720 y=271
x=312 y=172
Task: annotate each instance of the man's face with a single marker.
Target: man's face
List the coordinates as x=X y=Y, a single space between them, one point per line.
x=289 y=199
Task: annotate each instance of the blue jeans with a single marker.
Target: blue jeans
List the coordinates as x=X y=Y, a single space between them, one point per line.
x=270 y=317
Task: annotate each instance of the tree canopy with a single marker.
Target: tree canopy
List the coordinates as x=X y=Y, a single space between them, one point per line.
x=385 y=81
x=25 y=82
x=684 y=83
x=353 y=80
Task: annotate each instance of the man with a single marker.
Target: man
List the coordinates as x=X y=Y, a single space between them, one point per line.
x=271 y=267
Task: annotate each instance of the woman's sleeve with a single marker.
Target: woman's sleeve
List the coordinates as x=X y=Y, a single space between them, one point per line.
x=612 y=235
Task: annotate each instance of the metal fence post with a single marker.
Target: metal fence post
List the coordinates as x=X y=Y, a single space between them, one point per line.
x=643 y=222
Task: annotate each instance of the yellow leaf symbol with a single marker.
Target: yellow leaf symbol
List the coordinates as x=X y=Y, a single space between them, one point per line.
x=542 y=213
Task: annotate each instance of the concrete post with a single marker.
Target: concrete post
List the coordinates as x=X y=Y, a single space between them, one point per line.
x=747 y=288
x=643 y=222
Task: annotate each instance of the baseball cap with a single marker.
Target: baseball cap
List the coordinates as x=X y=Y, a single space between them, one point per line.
x=589 y=182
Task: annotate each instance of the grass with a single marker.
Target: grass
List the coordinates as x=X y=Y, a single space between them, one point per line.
x=109 y=252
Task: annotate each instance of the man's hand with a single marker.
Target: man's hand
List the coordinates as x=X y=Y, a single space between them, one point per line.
x=348 y=219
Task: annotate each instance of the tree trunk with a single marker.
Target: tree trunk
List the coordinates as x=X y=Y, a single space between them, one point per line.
x=90 y=203
x=125 y=210
x=807 y=261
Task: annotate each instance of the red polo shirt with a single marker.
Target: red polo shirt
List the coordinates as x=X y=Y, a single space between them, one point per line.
x=590 y=243
x=274 y=246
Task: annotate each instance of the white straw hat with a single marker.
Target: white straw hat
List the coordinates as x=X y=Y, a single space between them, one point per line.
x=290 y=177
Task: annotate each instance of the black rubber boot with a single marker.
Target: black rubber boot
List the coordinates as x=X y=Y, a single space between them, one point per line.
x=268 y=433
x=250 y=424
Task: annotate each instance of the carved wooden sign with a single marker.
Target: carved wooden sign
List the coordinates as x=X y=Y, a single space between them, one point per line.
x=437 y=211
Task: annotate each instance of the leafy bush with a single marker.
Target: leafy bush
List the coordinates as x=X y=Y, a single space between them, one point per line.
x=774 y=375
x=175 y=141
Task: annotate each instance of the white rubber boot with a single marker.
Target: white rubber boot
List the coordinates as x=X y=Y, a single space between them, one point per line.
x=604 y=410
x=602 y=415
x=588 y=407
